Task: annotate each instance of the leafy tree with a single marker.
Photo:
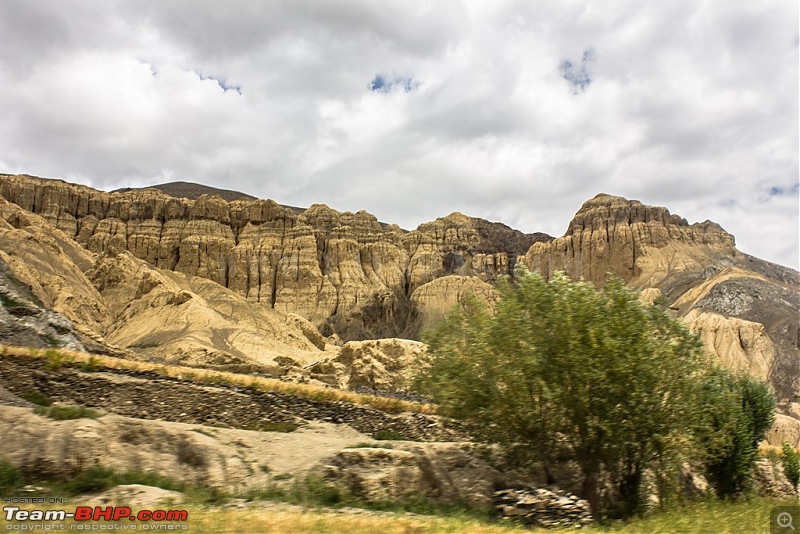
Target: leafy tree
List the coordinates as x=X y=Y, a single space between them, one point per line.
x=562 y=366
x=791 y=465
x=737 y=410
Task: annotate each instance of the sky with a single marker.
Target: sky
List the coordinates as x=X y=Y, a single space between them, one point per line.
x=513 y=111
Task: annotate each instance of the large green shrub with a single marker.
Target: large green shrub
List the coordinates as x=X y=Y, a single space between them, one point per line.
x=596 y=375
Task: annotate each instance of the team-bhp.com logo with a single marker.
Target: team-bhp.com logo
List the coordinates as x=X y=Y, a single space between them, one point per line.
x=86 y=518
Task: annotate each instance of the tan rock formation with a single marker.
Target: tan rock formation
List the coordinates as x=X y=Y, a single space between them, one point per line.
x=443 y=472
x=381 y=364
x=640 y=244
x=785 y=430
x=345 y=272
x=130 y=304
x=437 y=298
x=227 y=459
x=740 y=345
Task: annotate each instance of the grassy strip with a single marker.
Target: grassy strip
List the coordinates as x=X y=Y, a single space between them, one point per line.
x=317 y=497
x=65 y=413
x=58 y=358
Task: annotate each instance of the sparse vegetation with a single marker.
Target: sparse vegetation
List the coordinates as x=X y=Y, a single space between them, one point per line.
x=64 y=413
x=272 y=426
x=91 y=365
x=389 y=435
x=55 y=359
x=9 y=302
x=10 y=477
x=34 y=397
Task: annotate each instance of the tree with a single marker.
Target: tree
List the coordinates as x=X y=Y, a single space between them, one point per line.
x=563 y=366
x=791 y=465
x=737 y=410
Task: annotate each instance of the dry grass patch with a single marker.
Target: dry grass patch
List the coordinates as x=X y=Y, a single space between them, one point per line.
x=96 y=362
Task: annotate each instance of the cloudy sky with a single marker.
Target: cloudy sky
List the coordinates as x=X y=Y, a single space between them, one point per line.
x=515 y=111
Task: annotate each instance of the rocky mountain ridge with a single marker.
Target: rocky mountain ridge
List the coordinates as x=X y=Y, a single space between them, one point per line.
x=209 y=280
x=345 y=272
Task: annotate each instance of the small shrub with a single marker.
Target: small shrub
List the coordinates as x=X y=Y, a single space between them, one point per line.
x=34 y=397
x=55 y=360
x=10 y=477
x=265 y=468
x=64 y=413
x=389 y=435
x=91 y=365
x=9 y=302
x=791 y=465
x=283 y=476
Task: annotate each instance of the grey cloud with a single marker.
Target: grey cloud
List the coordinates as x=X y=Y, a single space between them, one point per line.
x=688 y=105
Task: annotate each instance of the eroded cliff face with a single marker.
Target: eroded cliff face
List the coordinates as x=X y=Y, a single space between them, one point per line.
x=345 y=272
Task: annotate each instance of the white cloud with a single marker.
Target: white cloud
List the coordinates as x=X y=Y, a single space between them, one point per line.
x=691 y=105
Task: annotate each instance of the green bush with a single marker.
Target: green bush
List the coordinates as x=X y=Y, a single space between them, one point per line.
x=10 y=477
x=737 y=410
x=593 y=376
x=791 y=465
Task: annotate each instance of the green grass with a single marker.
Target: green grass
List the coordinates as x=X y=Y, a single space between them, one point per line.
x=389 y=435
x=64 y=413
x=721 y=517
x=91 y=365
x=10 y=477
x=95 y=479
x=55 y=359
x=273 y=426
x=34 y=397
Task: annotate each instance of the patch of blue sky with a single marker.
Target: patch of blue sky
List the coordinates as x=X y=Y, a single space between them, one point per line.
x=384 y=84
x=578 y=75
x=222 y=82
x=777 y=190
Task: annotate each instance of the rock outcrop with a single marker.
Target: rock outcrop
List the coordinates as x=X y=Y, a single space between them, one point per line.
x=112 y=303
x=446 y=473
x=381 y=365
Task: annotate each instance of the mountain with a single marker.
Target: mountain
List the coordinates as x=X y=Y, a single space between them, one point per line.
x=191 y=191
x=207 y=281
